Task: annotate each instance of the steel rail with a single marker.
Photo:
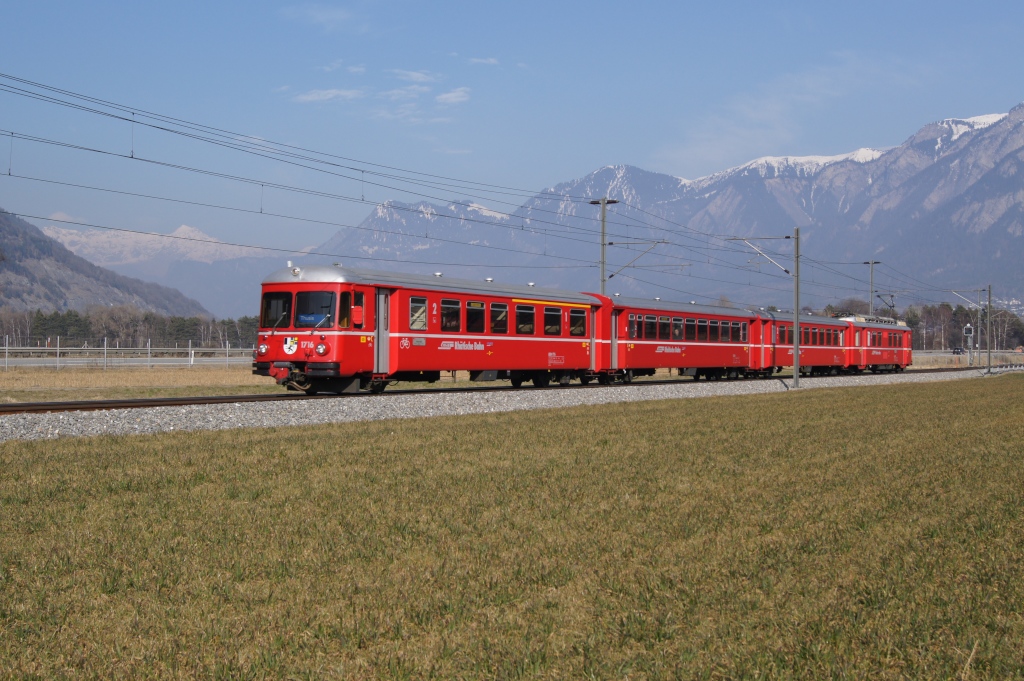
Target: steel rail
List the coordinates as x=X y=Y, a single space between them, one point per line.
x=147 y=403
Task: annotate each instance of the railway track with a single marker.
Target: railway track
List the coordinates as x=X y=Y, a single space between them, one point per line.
x=103 y=405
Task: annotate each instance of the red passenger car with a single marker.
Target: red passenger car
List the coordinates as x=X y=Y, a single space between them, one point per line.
x=879 y=344
x=697 y=340
x=823 y=343
x=339 y=329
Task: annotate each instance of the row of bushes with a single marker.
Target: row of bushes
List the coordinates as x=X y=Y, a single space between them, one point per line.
x=123 y=326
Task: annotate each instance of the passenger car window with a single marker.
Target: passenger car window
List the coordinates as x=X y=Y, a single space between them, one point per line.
x=664 y=328
x=691 y=329
x=314 y=309
x=524 y=319
x=713 y=336
x=451 y=314
x=650 y=327
x=475 y=316
x=702 y=329
x=631 y=327
x=577 y=322
x=417 y=314
x=499 y=318
x=677 y=328
x=552 y=321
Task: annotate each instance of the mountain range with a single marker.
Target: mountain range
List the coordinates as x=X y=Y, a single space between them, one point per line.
x=38 y=273
x=944 y=209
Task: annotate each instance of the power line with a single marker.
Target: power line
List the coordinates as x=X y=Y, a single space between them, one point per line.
x=283 y=250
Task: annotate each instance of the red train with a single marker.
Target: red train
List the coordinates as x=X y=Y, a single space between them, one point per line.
x=339 y=329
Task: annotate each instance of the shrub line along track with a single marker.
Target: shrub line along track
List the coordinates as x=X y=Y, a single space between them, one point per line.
x=104 y=405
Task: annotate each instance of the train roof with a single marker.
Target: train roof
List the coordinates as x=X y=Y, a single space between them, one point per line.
x=804 y=318
x=336 y=274
x=875 y=322
x=862 y=321
x=686 y=308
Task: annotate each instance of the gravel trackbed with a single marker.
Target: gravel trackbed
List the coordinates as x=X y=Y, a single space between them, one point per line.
x=313 y=412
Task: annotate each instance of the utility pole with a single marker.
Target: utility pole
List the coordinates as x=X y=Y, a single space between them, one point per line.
x=796 y=307
x=988 y=333
x=796 y=291
x=871 y=292
x=603 y=202
x=978 y=344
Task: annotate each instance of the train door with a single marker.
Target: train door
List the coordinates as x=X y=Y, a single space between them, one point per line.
x=382 y=336
x=593 y=339
x=615 y=339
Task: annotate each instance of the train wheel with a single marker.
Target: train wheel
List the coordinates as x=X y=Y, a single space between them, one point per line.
x=377 y=387
x=516 y=382
x=310 y=391
x=603 y=379
x=541 y=380
x=585 y=380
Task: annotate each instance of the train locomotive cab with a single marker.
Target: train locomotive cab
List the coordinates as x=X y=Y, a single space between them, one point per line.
x=315 y=333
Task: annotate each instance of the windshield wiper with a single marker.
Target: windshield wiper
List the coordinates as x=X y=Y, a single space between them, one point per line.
x=274 y=327
x=326 y=317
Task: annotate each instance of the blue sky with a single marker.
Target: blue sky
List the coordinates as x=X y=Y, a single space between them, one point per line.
x=524 y=94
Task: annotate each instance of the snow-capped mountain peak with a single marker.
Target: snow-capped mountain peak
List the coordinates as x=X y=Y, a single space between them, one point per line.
x=795 y=166
x=107 y=248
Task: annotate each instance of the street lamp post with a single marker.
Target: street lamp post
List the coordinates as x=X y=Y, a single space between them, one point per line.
x=603 y=202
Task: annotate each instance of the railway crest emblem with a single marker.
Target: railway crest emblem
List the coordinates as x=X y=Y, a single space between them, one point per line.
x=291 y=344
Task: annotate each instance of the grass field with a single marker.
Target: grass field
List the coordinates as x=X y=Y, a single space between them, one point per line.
x=858 y=533
x=49 y=385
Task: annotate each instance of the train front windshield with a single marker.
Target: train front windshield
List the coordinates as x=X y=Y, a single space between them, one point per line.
x=314 y=309
x=276 y=311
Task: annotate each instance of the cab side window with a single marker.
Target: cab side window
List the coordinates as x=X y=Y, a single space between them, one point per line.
x=345 y=309
x=359 y=303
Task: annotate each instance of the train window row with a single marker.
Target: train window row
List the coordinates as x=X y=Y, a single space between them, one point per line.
x=885 y=339
x=654 y=327
x=312 y=310
x=811 y=335
x=476 y=317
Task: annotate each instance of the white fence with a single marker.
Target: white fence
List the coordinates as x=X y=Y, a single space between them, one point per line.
x=108 y=357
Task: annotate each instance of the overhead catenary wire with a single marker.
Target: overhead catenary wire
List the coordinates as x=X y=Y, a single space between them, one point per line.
x=282 y=153
x=78 y=223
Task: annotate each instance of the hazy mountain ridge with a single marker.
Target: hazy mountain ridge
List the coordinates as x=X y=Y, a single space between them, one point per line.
x=38 y=273
x=105 y=247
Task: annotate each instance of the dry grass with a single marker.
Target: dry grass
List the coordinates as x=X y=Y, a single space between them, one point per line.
x=43 y=385
x=869 y=532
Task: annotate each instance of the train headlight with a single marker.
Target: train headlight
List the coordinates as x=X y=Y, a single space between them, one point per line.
x=263 y=347
x=322 y=348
